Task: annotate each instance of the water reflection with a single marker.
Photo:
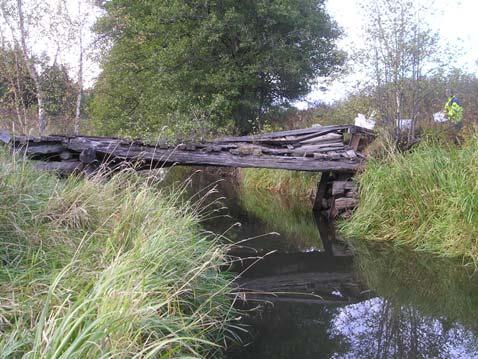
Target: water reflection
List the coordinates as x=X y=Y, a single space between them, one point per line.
x=379 y=328
x=327 y=301
x=283 y=223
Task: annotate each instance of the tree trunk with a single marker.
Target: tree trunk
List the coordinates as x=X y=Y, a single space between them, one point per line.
x=80 y=87
x=31 y=69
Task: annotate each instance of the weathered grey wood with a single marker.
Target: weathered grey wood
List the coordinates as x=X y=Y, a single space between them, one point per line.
x=345 y=203
x=88 y=155
x=330 y=137
x=326 y=153
x=321 y=190
x=43 y=149
x=226 y=159
x=339 y=187
x=355 y=141
x=5 y=137
x=312 y=130
x=65 y=167
x=66 y=155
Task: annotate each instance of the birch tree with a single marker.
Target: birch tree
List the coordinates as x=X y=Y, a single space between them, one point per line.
x=401 y=51
x=19 y=23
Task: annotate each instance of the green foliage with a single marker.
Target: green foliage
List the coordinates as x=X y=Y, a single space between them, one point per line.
x=59 y=91
x=295 y=183
x=95 y=268
x=208 y=64
x=14 y=76
x=426 y=199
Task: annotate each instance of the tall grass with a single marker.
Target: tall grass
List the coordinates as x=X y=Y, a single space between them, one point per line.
x=102 y=269
x=293 y=182
x=427 y=199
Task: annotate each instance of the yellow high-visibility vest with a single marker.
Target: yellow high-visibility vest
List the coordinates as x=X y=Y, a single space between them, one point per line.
x=453 y=111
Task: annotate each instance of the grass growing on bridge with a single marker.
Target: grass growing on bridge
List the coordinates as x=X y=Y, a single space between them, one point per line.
x=427 y=199
x=101 y=268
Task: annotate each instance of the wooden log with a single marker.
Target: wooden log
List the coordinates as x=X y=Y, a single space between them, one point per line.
x=64 y=167
x=345 y=203
x=355 y=141
x=5 y=137
x=339 y=187
x=321 y=190
x=306 y=131
x=44 y=149
x=226 y=159
x=318 y=147
x=351 y=194
x=66 y=155
x=330 y=137
x=88 y=155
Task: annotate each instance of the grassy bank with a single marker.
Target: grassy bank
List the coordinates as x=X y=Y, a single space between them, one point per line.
x=105 y=269
x=296 y=183
x=427 y=199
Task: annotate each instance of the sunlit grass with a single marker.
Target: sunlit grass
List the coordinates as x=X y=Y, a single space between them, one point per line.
x=292 y=182
x=427 y=199
x=95 y=268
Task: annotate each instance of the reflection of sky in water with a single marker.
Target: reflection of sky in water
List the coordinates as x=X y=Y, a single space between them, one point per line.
x=376 y=328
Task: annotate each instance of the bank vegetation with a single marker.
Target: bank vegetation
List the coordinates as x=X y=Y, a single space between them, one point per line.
x=95 y=268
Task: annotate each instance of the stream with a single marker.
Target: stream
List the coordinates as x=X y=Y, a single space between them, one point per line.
x=307 y=293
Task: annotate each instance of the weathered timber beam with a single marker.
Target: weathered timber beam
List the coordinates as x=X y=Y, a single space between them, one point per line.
x=226 y=159
x=313 y=130
x=64 y=167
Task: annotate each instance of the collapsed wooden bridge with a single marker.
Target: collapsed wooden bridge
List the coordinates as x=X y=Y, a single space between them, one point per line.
x=334 y=150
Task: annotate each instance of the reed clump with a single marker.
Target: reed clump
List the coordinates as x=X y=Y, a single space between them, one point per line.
x=295 y=183
x=426 y=198
x=105 y=268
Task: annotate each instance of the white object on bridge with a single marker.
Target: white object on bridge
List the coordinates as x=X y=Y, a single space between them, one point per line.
x=404 y=123
x=439 y=117
x=364 y=122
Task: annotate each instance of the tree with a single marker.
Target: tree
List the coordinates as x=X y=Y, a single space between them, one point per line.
x=208 y=64
x=401 y=52
x=59 y=92
x=18 y=22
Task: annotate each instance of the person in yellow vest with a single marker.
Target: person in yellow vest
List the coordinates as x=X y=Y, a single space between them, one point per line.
x=454 y=111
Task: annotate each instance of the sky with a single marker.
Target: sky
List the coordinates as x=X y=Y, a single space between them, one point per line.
x=456 y=21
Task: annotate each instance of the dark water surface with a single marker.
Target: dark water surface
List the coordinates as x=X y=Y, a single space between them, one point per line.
x=317 y=296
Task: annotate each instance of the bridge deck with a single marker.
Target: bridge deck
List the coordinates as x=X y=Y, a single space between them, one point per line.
x=317 y=149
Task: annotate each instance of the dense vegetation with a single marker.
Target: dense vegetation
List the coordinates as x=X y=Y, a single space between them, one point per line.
x=300 y=184
x=94 y=268
x=203 y=66
x=426 y=198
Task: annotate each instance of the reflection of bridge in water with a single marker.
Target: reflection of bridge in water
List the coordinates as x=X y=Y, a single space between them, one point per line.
x=336 y=151
x=317 y=277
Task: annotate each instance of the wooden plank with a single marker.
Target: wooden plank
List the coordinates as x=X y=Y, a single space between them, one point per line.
x=226 y=159
x=339 y=187
x=44 y=149
x=346 y=203
x=312 y=130
x=65 y=167
x=332 y=137
x=355 y=141
x=321 y=189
